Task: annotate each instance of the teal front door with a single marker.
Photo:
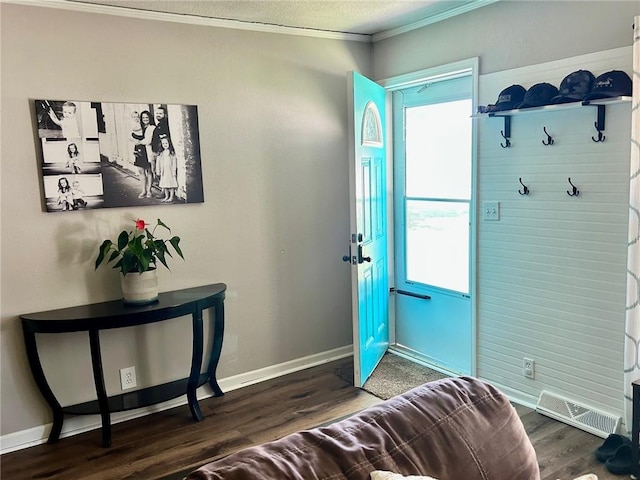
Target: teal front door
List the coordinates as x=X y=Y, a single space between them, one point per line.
x=368 y=215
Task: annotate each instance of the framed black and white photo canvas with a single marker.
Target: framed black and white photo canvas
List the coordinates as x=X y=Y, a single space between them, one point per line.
x=98 y=155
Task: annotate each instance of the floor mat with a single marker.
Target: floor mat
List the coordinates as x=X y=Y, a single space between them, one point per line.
x=393 y=376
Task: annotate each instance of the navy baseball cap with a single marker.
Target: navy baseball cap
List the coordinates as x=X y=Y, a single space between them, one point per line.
x=611 y=84
x=508 y=98
x=538 y=95
x=575 y=87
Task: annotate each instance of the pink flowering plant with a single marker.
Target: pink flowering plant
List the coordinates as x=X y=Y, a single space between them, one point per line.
x=138 y=250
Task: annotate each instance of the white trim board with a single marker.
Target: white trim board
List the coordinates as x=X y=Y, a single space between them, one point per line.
x=440 y=72
x=191 y=19
x=254 y=26
x=432 y=19
x=74 y=425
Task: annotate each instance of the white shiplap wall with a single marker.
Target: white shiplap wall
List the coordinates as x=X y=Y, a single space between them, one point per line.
x=551 y=272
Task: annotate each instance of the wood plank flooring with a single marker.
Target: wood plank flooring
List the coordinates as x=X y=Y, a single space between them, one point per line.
x=166 y=444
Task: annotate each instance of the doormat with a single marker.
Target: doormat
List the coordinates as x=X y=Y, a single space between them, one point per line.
x=393 y=376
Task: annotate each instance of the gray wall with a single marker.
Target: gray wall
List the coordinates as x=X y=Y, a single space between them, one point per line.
x=272 y=112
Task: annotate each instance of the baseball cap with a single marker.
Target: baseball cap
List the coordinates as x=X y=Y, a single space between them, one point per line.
x=508 y=98
x=538 y=95
x=611 y=84
x=574 y=87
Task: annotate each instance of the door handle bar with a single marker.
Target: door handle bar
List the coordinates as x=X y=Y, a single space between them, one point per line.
x=410 y=294
x=362 y=259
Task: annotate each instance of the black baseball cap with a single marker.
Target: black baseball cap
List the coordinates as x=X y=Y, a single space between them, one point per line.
x=611 y=84
x=575 y=87
x=538 y=95
x=508 y=98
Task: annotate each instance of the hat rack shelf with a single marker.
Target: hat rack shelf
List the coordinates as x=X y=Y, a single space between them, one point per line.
x=599 y=123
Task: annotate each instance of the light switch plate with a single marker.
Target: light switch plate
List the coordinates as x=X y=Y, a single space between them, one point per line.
x=491 y=211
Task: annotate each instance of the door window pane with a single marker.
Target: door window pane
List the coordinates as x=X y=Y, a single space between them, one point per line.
x=438 y=150
x=437 y=244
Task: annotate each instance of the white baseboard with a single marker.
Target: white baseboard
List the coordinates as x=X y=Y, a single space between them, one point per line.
x=515 y=396
x=75 y=425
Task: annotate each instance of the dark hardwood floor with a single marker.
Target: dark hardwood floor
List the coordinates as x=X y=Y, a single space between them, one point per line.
x=168 y=443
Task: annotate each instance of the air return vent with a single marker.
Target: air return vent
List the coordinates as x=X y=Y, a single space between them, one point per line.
x=580 y=416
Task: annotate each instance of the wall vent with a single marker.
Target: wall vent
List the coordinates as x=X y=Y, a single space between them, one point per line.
x=580 y=416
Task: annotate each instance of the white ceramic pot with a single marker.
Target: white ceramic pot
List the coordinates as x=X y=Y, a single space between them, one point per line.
x=139 y=288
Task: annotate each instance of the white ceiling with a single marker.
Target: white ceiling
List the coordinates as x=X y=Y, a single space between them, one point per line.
x=346 y=16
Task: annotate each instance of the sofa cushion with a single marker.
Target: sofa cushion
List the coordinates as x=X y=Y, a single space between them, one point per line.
x=450 y=429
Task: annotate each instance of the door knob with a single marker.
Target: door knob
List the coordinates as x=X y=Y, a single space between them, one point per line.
x=348 y=258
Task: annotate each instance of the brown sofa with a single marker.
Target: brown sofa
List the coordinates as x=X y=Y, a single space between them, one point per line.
x=450 y=429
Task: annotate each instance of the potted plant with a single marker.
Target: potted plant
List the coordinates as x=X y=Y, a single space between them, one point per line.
x=136 y=254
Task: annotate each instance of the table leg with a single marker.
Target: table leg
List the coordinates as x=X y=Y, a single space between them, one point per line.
x=216 y=348
x=41 y=382
x=196 y=363
x=635 y=428
x=98 y=378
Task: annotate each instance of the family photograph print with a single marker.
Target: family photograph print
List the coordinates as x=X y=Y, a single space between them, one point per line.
x=98 y=155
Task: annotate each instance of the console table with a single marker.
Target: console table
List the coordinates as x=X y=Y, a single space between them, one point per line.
x=116 y=314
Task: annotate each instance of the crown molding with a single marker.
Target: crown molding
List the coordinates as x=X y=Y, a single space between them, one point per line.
x=191 y=19
x=432 y=19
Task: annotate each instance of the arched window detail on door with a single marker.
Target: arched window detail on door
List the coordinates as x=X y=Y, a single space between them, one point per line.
x=371 y=126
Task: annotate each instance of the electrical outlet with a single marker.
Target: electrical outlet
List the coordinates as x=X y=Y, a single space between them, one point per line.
x=128 y=378
x=528 y=368
x=491 y=211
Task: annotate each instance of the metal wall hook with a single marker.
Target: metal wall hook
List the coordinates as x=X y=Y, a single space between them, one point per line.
x=574 y=191
x=508 y=142
x=601 y=137
x=599 y=124
x=525 y=190
x=549 y=139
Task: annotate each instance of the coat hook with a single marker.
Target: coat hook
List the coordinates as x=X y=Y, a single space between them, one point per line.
x=508 y=142
x=526 y=189
x=601 y=137
x=575 y=192
x=549 y=139
x=506 y=132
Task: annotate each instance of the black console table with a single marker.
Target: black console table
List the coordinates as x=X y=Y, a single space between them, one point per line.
x=116 y=314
